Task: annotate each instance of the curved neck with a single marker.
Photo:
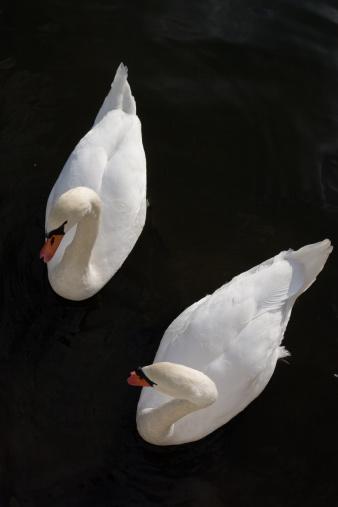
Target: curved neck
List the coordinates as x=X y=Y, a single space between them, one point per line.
x=190 y=389
x=156 y=425
x=78 y=253
x=70 y=271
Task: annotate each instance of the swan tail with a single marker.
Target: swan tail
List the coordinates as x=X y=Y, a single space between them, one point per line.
x=128 y=101
x=119 y=97
x=311 y=259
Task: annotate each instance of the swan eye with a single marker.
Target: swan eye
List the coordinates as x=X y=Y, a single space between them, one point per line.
x=59 y=231
x=139 y=372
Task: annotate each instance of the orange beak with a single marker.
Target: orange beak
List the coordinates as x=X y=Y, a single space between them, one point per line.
x=50 y=247
x=135 y=380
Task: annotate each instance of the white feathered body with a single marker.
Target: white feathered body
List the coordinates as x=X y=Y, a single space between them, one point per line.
x=110 y=160
x=234 y=336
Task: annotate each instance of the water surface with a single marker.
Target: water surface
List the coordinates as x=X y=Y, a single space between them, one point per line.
x=238 y=104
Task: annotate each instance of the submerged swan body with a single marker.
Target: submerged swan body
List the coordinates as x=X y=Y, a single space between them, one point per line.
x=221 y=352
x=97 y=207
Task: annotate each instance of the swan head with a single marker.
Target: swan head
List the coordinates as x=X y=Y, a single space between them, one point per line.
x=177 y=381
x=68 y=210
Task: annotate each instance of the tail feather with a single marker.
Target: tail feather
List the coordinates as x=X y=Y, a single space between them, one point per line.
x=128 y=102
x=282 y=352
x=306 y=263
x=119 y=97
x=312 y=259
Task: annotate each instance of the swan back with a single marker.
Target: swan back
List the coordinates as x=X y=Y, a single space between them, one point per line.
x=234 y=336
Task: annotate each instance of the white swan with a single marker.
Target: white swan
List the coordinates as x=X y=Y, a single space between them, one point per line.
x=220 y=353
x=97 y=206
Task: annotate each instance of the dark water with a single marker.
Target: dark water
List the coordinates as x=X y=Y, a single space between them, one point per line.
x=239 y=106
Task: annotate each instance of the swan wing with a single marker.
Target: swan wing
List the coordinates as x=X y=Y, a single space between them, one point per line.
x=84 y=168
x=122 y=190
x=211 y=327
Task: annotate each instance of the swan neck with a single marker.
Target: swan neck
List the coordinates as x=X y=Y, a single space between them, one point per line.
x=189 y=389
x=156 y=425
x=78 y=253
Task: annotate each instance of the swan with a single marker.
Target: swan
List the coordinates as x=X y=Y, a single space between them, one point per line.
x=97 y=207
x=220 y=353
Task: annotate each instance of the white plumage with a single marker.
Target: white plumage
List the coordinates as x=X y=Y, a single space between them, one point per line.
x=234 y=337
x=109 y=160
